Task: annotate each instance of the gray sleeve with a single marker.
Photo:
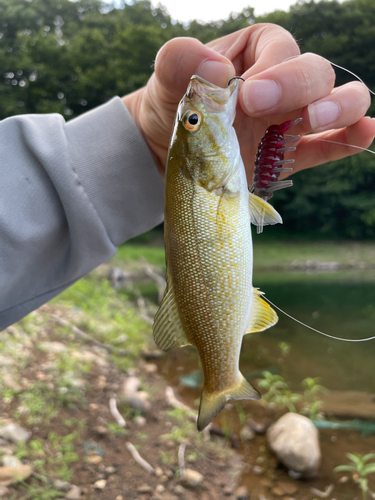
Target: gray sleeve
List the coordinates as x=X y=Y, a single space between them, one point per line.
x=70 y=193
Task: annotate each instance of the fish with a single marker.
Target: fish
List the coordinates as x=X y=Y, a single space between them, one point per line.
x=209 y=301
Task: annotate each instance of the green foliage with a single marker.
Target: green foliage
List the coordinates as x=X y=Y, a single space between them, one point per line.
x=360 y=469
x=280 y=395
x=68 y=57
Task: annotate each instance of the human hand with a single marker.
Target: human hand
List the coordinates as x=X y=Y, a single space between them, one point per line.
x=280 y=85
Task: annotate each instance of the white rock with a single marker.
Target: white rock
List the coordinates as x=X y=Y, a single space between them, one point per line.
x=100 y=484
x=14 y=433
x=295 y=441
x=130 y=386
x=140 y=421
x=74 y=493
x=11 y=461
x=192 y=478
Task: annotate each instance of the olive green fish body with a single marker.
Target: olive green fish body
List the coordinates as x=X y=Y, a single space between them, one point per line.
x=209 y=301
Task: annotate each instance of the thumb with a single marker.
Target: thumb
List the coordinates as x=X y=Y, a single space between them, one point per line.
x=180 y=58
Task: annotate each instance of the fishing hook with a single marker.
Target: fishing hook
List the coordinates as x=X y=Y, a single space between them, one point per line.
x=235 y=78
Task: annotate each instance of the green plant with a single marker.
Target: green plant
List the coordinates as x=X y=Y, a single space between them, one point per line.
x=115 y=429
x=284 y=348
x=360 y=469
x=311 y=404
x=278 y=392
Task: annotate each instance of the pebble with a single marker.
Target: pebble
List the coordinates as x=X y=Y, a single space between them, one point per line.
x=179 y=490
x=101 y=430
x=94 y=459
x=140 y=421
x=150 y=368
x=110 y=469
x=227 y=490
x=100 y=484
x=257 y=469
x=74 y=493
x=159 y=488
x=144 y=488
x=247 y=434
x=10 y=475
x=15 y=433
x=62 y=485
x=242 y=493
x=192 y=478
x=158 y=471
x=119 y=497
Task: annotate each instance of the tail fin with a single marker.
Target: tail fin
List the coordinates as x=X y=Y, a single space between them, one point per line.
x=212 y=403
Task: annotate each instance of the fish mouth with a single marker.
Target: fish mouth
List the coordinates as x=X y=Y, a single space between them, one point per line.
x=204 y=89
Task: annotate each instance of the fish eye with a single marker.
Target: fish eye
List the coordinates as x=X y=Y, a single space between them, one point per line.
x=192 y=120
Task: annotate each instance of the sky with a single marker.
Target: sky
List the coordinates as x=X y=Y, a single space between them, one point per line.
x=214 y=10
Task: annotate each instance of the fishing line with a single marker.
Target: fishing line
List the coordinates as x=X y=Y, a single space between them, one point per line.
x=314 y=329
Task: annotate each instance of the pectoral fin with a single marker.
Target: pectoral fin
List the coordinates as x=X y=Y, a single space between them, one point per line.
x=262 y=213
x=168 y=329
x=262 y=315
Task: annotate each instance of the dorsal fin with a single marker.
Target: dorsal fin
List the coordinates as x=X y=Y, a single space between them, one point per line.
x=262 y=315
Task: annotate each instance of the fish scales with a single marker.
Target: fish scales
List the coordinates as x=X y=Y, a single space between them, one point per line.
x=210 y=301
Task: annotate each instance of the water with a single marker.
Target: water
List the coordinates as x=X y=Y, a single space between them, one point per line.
x=339 y=303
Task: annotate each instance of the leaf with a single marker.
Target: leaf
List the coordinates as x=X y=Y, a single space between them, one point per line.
x=368 y=457
x=368 y=469
x=345 y=468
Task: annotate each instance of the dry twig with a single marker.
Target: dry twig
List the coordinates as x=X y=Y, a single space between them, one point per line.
x=137 y=457
x=115 y=413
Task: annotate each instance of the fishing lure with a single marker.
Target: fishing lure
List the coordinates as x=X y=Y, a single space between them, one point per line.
x=269 y=162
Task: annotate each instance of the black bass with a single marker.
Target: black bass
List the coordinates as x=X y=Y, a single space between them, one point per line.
x=209 y=300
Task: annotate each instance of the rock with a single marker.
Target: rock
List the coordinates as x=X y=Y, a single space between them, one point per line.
x=94 y=459
x=179 y=490
x=74 y=493
x=138 y=401
x=192 y=478
x=119 y=497
x=52 y=347
x=101 y=430
x=130 y=386
x=227 y=490
x=10 y=461
x=295 y=441
x=10 y=475
x=257 y=469
x=110 y=469
x=257 y=427
x=287 y=488
x=140 y=421
x=160 y=488
x=4 y=491
x=277 y=491
x=158 y=471
x=242 y=493
x=150 y=368
x=144 y=488
x=15 y=433
x=100 y=484
x=247 y=434
x=62 y=485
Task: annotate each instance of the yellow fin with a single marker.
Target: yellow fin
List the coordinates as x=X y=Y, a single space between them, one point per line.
x=262 y=315
x=212 y=403
x=262 y=213
x=168 y=330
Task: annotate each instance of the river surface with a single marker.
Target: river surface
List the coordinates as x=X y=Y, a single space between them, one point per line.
x=339 y=303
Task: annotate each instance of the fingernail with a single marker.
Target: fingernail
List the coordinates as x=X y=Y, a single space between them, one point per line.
x=216 y=72
x=323 y=114
x=260 y=95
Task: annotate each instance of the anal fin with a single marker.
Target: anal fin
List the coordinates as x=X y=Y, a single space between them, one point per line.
x=262 y=315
